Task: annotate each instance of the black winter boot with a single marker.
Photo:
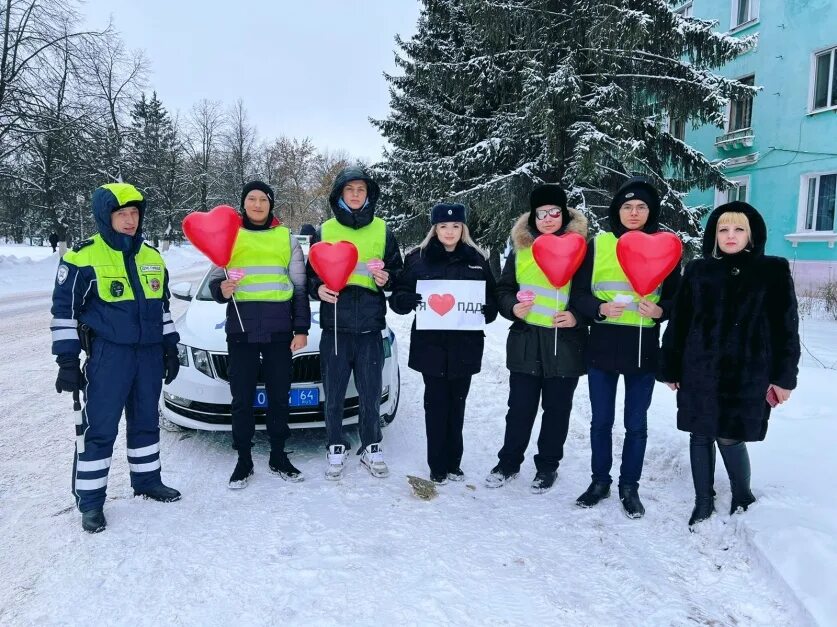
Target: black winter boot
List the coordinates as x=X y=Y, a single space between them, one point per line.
x=594 y=493
x=93 y=521
x=159 y=492
x=702 y=457
x=737 y=461
x=629 y=495
x=543 y=481
x=279 y=464
x=243 y=471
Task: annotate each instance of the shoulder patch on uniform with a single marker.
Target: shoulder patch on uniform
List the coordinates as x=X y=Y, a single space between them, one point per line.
x=63 y=273
x=79 y=245
x=151 y=247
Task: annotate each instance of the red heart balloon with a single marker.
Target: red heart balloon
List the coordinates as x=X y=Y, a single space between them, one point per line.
x=214 y=232
x=647 y=259
x=333 y=263
x=559 y=257
x=441 y=303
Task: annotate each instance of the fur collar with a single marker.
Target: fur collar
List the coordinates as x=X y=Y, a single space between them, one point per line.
x=522 y=237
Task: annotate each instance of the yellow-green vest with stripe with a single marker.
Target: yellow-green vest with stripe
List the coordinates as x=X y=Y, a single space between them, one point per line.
x=370 y=241
x=264 y=256
x=109 y=267
x=548 y=299
x=608 y=280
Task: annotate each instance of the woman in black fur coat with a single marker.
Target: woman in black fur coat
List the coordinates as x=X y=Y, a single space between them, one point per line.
x=732 y=345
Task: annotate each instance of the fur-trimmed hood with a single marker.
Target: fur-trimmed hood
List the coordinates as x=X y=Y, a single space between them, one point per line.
x=522 y=236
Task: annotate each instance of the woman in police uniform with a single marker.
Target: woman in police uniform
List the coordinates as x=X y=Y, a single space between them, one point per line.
x=268 y=285
x=539 y=370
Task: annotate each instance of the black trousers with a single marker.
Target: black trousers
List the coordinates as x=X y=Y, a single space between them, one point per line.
x=244 y=367
x=444 y=416
x=556 y=396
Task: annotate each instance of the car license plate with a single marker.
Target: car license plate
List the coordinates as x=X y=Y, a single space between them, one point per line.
x=297 y=397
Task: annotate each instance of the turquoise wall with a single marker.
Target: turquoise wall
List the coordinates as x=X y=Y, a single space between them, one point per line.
x=787 y=136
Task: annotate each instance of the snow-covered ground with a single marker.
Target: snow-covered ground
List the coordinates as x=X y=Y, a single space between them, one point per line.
x=366 y=551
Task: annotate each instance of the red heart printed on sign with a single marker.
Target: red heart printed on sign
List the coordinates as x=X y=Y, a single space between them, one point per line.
x=559 y=257
x=441 y=303
x=647 y=259
x=333 y=262
x=214 y=232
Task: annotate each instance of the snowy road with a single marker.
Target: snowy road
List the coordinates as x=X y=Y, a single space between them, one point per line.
x=362 y=551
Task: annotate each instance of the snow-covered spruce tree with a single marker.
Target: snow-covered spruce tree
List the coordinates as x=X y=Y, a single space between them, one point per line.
x=497 y=96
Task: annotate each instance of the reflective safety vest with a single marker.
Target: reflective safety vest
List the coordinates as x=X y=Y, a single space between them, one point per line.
x=370 y=241
x=548 y=299
x=112 y=282
x=609 y=279
x=264 y=256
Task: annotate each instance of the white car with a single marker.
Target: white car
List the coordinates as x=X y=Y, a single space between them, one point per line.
x=199 y=398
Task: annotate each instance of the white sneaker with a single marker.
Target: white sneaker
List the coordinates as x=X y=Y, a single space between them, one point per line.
x=373 y=458
x=336 y=462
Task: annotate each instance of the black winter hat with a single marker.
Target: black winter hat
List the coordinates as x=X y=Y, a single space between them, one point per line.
x=448 y=212
x=262 y=187
x=638 y=192
x=548 y=194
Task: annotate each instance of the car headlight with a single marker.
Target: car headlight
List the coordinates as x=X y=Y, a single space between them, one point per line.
x=201 y=359
x=182 y=355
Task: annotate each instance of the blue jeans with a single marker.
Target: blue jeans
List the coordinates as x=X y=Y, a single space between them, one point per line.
x=363 y=355
x=638 y=390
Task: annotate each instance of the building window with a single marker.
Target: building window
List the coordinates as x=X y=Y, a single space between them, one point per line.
x=744 y=11
x=740 y=190
x=741 y=111
x=685 y=10
x=819 y=209
x=825 y=79
x=677 y=128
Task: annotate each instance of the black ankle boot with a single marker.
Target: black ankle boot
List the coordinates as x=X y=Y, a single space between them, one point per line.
x=737 y=461
x=93 y=521
x=159 y=492
x=629 y=495
x=595 y=492
x=702 y=457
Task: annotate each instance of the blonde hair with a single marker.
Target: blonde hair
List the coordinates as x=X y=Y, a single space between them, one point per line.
x=466 y=238
x=735 y=218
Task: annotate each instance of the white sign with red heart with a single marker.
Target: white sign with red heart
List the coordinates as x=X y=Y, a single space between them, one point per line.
x=450 y=305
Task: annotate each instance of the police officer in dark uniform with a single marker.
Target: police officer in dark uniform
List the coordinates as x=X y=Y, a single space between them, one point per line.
x=111 y=293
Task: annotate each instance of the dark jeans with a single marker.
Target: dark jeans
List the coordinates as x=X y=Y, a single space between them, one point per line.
x=363 y=355
x=244 y=367
x=556 y=396
x=444 y=416
x=638 y=390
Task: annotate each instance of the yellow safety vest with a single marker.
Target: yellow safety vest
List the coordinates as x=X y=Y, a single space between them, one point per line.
x=370 y=241
x=609 y=279
x=548 y=300
x=264 y=256
x=112 y=282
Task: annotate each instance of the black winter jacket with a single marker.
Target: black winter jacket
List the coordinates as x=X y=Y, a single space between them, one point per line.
x=615 y=347
x=733 y=331
x=531 y=349
x=267 y=321
x=447 y=354
x=359 y=310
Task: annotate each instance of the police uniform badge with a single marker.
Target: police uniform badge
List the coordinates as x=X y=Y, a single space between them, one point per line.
x=63 y=273
x=155 y=285
x=117 y=288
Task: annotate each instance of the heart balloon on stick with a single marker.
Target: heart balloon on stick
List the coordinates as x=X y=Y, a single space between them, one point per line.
x=214 y=232
x=333 y=263
x=647 y=259
x=559 y=257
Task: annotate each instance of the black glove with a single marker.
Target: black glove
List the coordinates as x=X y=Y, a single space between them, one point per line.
x=407 y=301
x=171 y=364
x=70 y=378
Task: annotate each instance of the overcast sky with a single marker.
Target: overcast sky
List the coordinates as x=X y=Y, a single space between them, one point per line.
x=304 y=68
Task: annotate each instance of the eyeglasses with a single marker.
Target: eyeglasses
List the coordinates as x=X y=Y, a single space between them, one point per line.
x=629 y=209
x=552 y=213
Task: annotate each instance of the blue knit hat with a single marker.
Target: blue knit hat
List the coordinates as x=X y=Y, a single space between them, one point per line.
x=448 y=212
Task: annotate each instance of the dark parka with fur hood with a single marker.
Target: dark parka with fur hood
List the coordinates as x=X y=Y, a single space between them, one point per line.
x=530 y=349
x=359 y=310
x=733 y=331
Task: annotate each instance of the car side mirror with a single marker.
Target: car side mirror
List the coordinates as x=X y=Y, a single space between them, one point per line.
x=183 y=290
